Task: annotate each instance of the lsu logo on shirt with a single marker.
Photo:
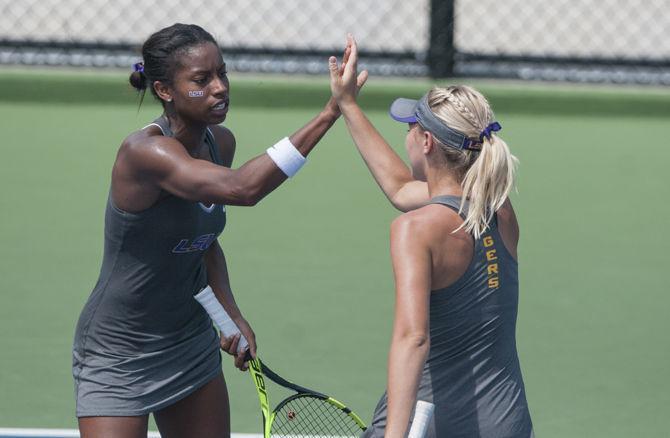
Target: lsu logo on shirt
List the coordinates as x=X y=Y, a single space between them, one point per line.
x=491 y=262
x=200 y=243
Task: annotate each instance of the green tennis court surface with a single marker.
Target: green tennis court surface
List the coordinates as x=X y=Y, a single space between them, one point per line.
x=73 y=433
x=310 y=265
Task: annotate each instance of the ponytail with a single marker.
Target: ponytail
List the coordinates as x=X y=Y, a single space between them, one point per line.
x=487 y=183
x=487 y=172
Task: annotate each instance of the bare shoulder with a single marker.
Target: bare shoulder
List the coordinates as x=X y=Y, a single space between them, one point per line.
x=432 y=214
x=144 y=158
x=147 y=138
x=146 y=149
x=435 y=228
x=506 y=212
x=222 y=133
x=226 y=141
x=507 y=221
x=408 y=222
x=427 y=223
x=508 y=227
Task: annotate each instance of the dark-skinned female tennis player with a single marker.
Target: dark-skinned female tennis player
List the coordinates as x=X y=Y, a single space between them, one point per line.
x=143 y=345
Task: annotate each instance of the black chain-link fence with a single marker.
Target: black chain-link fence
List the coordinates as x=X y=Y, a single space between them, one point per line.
x=576 y=40
x=586 y=40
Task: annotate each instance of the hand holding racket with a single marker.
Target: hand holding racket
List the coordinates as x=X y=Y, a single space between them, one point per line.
x=232 y=340
x=306 y=413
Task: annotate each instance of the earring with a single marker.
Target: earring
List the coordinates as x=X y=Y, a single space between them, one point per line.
x=169 y=99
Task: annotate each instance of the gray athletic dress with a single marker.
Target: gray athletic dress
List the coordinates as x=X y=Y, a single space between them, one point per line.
x=472 y=373
x=142 y=341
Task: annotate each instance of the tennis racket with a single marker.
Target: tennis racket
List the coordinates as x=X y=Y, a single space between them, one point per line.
x=304 y=414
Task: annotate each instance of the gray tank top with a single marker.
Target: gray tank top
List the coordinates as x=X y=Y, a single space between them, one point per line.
x=141 y=325
x=472 y=373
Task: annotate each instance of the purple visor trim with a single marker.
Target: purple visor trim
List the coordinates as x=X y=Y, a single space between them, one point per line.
x=404 y=110
x=410 y=119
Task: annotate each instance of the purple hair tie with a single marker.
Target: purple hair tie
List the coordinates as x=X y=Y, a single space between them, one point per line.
x=493 y=127
x=139 y=66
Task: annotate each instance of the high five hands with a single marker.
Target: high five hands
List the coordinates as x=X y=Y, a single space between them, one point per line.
x=345 y=81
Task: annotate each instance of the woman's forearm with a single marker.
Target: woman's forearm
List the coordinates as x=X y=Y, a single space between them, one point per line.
x=386 y=166
x=406 y=361
x=388 y=169
x=254 y=180
x=218 y=279
x=305 y=138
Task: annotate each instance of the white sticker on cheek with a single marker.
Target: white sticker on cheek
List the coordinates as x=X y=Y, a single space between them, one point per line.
x=196 y=93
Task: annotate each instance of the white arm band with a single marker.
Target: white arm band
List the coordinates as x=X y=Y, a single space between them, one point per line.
x=228 y=328
x=286 y=157
x=423 y=414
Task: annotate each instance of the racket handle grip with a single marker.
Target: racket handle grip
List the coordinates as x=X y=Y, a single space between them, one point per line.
x=423 y=413
x=221 y=319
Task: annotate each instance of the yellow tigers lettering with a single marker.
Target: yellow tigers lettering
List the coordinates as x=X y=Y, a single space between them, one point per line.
x=491 y=266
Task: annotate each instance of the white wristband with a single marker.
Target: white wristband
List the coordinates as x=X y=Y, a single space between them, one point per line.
x=286 y=157
x=227 y=326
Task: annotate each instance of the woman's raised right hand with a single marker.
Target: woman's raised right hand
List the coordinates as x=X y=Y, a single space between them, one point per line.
x=345 y=82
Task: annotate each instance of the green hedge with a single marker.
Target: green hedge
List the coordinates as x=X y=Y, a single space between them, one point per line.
x=90 y=87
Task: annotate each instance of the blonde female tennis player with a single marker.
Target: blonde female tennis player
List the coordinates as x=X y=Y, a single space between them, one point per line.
x=454 y=259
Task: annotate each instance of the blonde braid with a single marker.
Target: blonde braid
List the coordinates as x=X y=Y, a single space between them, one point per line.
x=464 y=110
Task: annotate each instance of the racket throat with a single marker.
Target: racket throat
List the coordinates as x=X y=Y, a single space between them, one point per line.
x=255 y=371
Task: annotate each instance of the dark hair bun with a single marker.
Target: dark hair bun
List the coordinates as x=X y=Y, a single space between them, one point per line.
x=138 y=80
